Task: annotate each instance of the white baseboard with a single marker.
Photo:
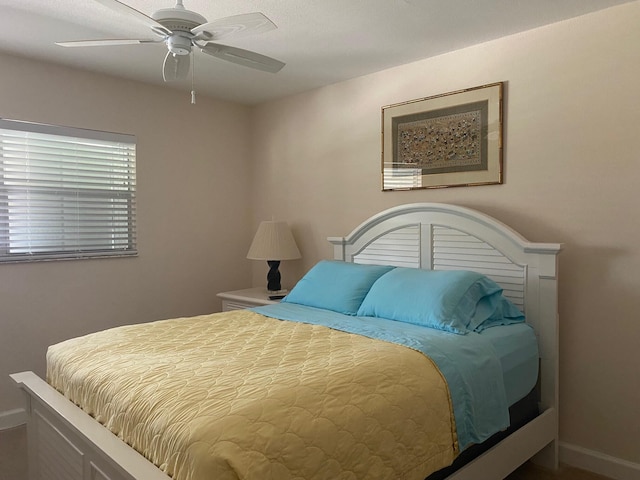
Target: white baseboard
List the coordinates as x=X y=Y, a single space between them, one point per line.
x=12 y=418
x=596 y=462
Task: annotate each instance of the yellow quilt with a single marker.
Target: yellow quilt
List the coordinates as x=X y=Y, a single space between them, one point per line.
x=240 y=396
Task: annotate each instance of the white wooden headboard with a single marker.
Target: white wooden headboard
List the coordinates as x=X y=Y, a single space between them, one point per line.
x=444 y=237
x=447 y=237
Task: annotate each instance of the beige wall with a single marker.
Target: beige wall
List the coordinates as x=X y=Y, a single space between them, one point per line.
x=193 y=213
x=572 y=170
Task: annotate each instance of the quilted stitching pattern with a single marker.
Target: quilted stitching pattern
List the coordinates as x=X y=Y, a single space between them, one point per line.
x=238 y=395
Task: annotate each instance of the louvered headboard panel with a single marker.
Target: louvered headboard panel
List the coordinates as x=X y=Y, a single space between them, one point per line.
x=437 y=247
x=400 y=248
x=456 y=250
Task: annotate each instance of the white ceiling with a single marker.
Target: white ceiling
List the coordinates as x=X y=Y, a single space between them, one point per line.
x=321 y=41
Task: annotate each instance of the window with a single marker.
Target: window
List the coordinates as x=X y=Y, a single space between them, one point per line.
x=398 y=178
x=65 y=193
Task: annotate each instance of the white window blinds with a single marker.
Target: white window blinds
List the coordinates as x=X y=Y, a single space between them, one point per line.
x=65 y=193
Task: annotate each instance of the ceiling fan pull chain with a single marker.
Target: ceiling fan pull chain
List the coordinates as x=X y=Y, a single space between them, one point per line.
x=193 y=74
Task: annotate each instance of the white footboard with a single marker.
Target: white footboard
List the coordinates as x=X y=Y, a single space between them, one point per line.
x=67 y=444
x=502 y=459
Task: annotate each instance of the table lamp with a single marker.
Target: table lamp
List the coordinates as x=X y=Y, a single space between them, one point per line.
x=273 y=242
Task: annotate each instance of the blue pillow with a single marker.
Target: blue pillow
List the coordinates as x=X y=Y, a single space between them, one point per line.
x=504 y=313
x=335 y=285
x=455 y=301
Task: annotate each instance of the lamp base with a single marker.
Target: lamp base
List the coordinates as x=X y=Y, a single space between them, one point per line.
x=273 y=276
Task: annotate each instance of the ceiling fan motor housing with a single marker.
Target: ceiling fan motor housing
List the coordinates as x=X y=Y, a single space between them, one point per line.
x=178 y=19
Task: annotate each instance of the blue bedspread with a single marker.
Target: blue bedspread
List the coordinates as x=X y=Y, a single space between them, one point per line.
x=469 y=363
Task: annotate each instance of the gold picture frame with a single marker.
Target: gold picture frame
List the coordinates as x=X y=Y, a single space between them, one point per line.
x=448 y=140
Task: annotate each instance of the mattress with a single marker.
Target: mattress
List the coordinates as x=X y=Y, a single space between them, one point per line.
x=517 y=348
x=241 y=395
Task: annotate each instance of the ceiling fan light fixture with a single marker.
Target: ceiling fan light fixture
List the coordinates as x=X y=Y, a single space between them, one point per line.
x=179 y=44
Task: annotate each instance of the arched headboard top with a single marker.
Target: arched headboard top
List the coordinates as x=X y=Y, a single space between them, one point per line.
x=434 y=222
x=433 y=211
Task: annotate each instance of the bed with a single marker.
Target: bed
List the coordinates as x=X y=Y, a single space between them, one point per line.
x=372 y=354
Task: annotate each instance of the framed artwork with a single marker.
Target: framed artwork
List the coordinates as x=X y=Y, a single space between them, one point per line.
x=448 y=140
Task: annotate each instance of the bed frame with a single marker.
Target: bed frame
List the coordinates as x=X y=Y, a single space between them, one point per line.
x=446 y=237
x=66 y=444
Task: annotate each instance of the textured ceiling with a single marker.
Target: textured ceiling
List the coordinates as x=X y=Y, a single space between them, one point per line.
x=321 y=41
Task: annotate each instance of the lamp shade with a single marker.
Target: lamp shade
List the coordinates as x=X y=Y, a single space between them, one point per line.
x=273 y=241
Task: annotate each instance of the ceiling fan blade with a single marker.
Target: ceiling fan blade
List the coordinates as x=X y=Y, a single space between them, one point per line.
x=243 y=57
x=104 y=43
x=120 y=7
x=175 y=67
x=235 y=26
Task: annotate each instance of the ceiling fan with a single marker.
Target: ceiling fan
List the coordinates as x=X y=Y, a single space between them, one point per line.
x=181 y=30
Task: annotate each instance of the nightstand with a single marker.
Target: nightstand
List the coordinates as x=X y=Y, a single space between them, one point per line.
x=247 y=298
